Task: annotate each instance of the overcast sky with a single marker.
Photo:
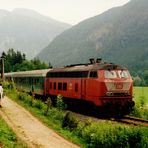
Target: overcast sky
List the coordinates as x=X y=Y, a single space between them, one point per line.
x=69 y=11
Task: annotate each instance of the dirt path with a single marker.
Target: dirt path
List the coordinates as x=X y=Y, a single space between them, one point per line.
x=29 y=129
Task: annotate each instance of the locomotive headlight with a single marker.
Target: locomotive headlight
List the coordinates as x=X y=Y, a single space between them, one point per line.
x=127 y=93
x=109 y=93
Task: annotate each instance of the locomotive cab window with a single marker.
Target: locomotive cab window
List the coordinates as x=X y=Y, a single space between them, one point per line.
x=93 y=74
x=110 y=74
x=123 y=74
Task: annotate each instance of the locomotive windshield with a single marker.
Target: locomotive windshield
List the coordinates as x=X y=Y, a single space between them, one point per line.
x=110 y=74
x=116 y=74
x=123 y=74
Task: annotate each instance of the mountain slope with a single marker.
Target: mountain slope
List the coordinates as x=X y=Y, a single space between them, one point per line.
x=119 y=35
x=27 y=30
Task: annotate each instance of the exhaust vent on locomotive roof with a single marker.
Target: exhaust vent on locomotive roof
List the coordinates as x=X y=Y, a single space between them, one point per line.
x=98 y=60
x=72 y=65
x=93 y=61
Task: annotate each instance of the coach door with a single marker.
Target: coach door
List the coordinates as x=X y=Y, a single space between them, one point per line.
x=83 y=88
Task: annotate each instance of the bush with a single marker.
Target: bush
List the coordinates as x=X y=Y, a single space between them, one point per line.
x=22 y=96
x=38 y=104
x=56 y=114
x=49 y=105
x=69 y=121
x=60 y=104
x=108 y=135
x=140 y=110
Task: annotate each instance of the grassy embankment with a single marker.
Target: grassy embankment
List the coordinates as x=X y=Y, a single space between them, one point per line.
x=141 y=102
x=8 y=138
x=141 y=93
x=105 y=134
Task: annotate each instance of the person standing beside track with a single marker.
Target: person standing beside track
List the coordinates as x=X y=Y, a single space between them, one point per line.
x=1 y=94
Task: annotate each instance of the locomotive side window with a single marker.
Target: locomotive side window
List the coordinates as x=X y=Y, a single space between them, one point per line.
x=110 y=74
x=93 y=74
x=64 y=86
x=54 y=85
x=72 y=74
x=76 y=87
x=50 y=85
x=60 y=86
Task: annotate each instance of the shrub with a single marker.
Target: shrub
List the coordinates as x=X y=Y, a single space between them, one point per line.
x=108 y=135
x=140 y=111
x=60 y=104
x=55 y=114
x=49 y=105
x=38 y=104
x=69 y=121
x=22 y=96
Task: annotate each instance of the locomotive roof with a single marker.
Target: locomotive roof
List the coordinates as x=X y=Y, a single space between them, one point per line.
x=70 y=68
x=32 y=73
x=87 y=67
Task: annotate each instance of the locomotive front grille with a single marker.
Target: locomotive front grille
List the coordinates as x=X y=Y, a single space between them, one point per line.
x=118 y=94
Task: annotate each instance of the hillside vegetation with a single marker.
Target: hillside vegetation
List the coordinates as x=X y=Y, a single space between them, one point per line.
x=119 y=35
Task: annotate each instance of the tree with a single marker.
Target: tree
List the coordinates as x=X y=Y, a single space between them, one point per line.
x=16 y=61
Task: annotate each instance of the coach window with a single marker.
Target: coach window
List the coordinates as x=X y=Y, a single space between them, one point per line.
x=54 y=85
x=93 y=74
x=35 y=80
x=64 y=86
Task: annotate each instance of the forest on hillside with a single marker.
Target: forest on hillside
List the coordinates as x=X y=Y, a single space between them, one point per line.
x=16 y=61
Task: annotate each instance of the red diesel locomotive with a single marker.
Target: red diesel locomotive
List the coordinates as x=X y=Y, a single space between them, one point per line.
x=99 y=84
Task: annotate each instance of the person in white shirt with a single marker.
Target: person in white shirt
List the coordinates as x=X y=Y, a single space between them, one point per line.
x=1 y=94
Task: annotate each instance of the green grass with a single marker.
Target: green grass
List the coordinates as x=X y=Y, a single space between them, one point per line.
x=91 y=135
x=8 y=138
x=141 y=102
x=141 y=93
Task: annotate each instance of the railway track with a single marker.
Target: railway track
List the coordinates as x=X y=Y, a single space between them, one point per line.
x=125 y=120
x=133 y=121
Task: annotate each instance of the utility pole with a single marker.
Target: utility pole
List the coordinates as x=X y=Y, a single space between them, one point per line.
x=2 y=68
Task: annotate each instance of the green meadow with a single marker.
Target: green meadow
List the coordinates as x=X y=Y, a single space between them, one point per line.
x=141 y=102
x=141 y=94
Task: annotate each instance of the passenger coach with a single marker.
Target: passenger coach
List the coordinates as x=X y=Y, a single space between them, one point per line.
x=29 y=81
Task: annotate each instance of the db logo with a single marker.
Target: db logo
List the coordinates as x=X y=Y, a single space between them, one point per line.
x=118 y=85
x=70 y=86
